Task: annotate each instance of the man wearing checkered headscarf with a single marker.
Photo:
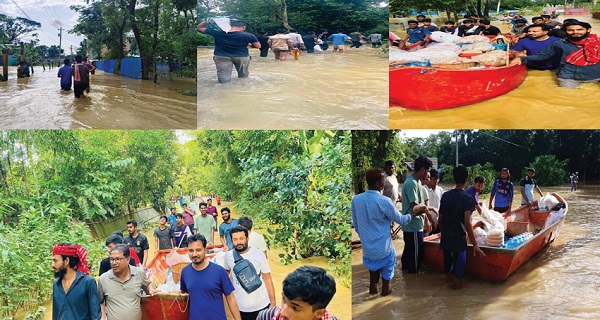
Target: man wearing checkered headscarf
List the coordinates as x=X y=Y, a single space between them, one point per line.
x=74 y=293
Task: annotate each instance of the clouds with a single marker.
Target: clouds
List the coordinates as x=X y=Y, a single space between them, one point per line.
x=52 y=14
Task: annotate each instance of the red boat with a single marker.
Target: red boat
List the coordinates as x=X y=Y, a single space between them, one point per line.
x=167 y=306
x=596 y=14
x=499 y=263
x=428 y=88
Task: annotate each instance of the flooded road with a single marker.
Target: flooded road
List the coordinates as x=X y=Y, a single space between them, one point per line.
x=560 y=282
x=114 y=103
x=537 y=102
x=318 y=91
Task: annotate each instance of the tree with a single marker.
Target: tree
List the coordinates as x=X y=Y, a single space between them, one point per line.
x=11 y=29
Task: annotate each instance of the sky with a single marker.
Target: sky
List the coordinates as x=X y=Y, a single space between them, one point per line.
x=52 y=14
x=419 y=133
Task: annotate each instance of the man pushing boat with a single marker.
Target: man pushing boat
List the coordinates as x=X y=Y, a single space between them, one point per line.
x=579 y=53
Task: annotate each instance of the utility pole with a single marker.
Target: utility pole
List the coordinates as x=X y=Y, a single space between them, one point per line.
x=456 y=133
x=71 y=50
x=59 y=42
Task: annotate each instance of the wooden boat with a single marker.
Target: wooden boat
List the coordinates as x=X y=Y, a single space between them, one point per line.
x=168 y=306
x=596 y=14
x=429 y=88
x=499 y=263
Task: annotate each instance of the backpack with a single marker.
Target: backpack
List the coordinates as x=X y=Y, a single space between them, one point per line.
x=245 y=273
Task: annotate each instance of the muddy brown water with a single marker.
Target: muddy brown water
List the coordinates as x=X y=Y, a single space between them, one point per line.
x=560 y=282
x=537 y=102
x=340 y=305
x=114 y=102
x=318 y=91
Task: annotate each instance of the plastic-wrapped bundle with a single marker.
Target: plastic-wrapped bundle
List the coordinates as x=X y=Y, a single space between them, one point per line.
x=474 y=39
x=402 y=57
x=219 y=24
x=494 y=58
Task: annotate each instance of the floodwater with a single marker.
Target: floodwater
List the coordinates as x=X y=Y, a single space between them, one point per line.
x=560 y=282
x=318 y=91
x=114 y=102
x=340 y=305
x=538 y=102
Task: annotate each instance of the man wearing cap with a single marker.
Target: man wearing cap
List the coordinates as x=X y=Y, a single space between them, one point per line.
x=119 y=288
x=231 y=49
x=74 y=293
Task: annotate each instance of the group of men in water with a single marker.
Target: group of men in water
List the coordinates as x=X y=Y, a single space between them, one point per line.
x=77 y=75
x=426 y=209
x=306 y=291
x=546 y=44
x=231 y=48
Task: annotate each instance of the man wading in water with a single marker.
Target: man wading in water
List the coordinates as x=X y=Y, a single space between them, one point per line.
x=231 y=49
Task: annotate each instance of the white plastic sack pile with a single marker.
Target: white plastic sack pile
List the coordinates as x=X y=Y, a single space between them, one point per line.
x=480 y=236
x=437 y=47
x=554 y=217
x=547 y=202
x=439 y=36
x=403 y=57
x=492 y=220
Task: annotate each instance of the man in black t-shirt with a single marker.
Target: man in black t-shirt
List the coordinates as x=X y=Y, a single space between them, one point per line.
x=137 y=241
x=456 y=208
x=263 y=38
x=231 y=49
x=488 y=29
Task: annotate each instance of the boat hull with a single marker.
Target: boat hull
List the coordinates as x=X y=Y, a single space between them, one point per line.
x=427 y=88
x=499 y=263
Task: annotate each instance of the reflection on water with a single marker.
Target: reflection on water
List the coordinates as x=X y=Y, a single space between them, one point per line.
x=561 y=282
x=538 y=101
x=318 y=91
x=113 y=103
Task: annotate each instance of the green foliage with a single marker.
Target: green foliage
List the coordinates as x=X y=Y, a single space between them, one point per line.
x=549 y=171
x=294 y=182
x=25 y=251
x=305 y=200
x=370 y=149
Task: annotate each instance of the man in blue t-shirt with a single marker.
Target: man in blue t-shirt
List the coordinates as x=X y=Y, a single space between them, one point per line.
x=414 y=33
x=65 y=73
x=338 y=40
x=537 y=40
x=503 y=191
x=231 y=49
x=228 y=224
x=207 y=283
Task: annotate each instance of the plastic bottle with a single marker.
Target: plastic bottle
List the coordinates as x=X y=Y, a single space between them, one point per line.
x=170 y=276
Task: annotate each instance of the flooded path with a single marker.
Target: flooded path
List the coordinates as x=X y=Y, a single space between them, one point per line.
x=560 y=282
x=114 y=103
x=318 y=91
x=537 y=102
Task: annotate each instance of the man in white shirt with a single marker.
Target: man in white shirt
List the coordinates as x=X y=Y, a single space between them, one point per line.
x=434 y=194
x=255 y=239
x=390 y=189
x=263 y=298
x=297 y=41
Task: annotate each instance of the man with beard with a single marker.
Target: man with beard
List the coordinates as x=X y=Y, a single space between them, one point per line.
x=228 y=224
x=503 y=190
x=206 y=284
x=74 y=293
x=119 y=288
x=475 y=189
x=205 y=224
x=137 y=241
x=537 y=40
x=306 y=293
x=466 y=29
x=263 y=298
x=579 y=55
